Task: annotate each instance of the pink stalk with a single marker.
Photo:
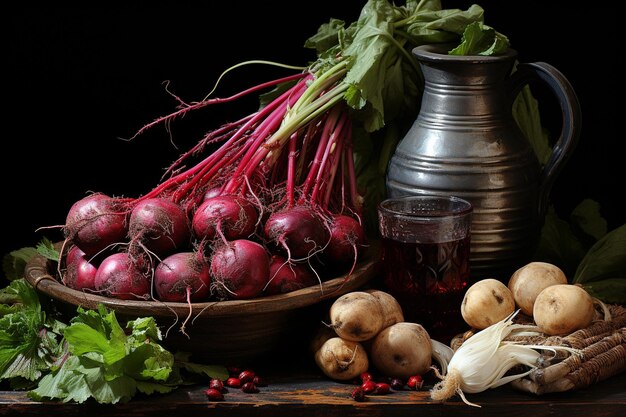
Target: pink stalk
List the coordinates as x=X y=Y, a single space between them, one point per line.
x=317 y=159
x=337 y=157
x=205 y=103
x=306 y=144
x=291 y=168
x=355 y=199
x=322 y=178
x=272 y=122
x=214 y=136
x=216 y=160
x=307 y=113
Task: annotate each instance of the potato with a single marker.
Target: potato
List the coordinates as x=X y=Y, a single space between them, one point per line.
x=341 y=359
x=563 y=308
x=486 y=302
x=321 y=335
x=402 y=350
x=528 y=281
x=356 y=316
x=392 y=311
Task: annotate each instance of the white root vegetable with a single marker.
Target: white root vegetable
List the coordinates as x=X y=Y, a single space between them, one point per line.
x=341 y=359
x=402 y=350
x=442 y=353
x=322 y=334
x=528 y=281
x=392 y=311
x=483 y=361
x=486 y=302
x=563 y=308
x=356 y=316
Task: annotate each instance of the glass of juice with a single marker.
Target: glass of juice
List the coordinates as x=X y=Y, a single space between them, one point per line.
x=425 y=259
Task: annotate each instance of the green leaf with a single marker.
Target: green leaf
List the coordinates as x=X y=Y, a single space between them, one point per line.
x=143 y=329
x=95 y=319
x=559 y=244
x=79 y=379
x=480 y=39
x=26 y=356
x=152 y=387
x=526 y=114
x=46 y=249
x=14 y=262
x=106 y=364
x=27 y=345
x=437 y=25
x=50 y=386
x=327 y=36
x=84 y=339
x=587 y=217
x=21 y=295
x=611 y=291
x=149 y=361
x=120 y=389
x=76 y=386
x=605 y=259
x=212 y=371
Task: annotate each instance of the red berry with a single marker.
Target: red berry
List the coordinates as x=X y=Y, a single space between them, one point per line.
x=249 y=388
x=382 y=388
x=415 y=382
x=368 y=386
x=216 y=384
x=358 y=394
x=246 y=376
x=366 y=376
x=233 y=382
x=396 y=384
x=259 y=381
x=214 y=395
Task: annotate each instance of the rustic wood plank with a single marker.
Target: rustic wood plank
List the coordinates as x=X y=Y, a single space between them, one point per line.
x=314 y=395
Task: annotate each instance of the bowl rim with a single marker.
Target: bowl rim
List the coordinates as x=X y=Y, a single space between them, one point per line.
x=37 y=273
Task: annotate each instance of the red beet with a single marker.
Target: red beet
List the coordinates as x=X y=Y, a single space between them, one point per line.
x=212 y=192
x=120 y=276
x=182 y=277
x=299 y=231
x=240 y=269
x=288 y=276
x=347 y=241
x=95 y=222
x=159 y=225
x=234 y=216
x=80 y=274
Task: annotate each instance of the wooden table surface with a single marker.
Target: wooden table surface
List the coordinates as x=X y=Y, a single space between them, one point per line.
x=299 y=391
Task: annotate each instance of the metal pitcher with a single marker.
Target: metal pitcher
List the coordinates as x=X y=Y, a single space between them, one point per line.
x=465 y=142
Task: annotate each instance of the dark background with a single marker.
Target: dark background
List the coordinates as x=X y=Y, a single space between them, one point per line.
x=79 y=78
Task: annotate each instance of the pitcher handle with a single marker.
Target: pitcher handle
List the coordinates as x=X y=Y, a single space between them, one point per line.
x=570 y=110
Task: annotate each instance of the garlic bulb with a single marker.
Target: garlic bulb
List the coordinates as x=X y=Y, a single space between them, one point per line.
x=483 y=360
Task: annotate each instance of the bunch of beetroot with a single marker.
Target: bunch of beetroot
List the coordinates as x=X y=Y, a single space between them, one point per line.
x=270 y=207
x=269 y=203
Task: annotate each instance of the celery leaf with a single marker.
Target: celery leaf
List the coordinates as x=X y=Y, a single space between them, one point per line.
x=28 y=346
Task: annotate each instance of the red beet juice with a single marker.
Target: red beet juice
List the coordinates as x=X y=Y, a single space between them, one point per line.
x=429 y=281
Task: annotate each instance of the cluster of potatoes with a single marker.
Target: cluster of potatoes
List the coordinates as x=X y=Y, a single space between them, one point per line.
x=540 y=290
x=367 y=327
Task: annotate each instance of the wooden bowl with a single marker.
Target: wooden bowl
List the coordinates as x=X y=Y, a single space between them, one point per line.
x=227 y=332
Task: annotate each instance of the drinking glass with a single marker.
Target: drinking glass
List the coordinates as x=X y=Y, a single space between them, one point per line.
x=425 y=259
